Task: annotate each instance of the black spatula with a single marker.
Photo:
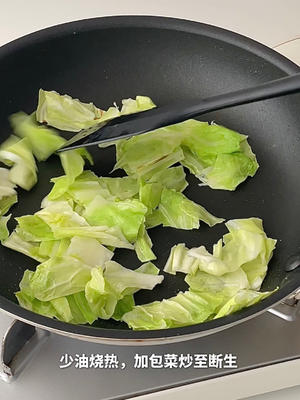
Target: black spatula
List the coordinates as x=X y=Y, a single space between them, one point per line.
x=136 y=124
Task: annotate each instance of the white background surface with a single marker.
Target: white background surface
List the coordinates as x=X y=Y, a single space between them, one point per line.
x=269 y=21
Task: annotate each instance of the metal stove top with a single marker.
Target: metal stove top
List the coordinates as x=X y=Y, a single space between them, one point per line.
x=264 y=340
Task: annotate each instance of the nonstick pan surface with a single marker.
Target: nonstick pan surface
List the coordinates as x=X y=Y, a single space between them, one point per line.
x=107 y=59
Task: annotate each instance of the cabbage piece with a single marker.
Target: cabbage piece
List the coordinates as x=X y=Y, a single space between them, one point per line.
x=180 y=212
x=7 y=188
x=83 y=307
x=123 y=306
x=207 y=141
x=102 y=298
x=154 y=219
x=16 y=154
x=43 y=140
x=126 y=281
x=73 y=162
x=120 y=188
x=180 y=261
x=226 y=285
x=148 y=268
x=243 y=298
x=27 y=300
x=219 y=157
x=229 y=170
x=147 y=171
x=141 y=103
x=46 y=202
x=256 y=269
x=17 y=243
x=89 y=251
x=248 y=246
x=192 y=162
x=83 y=190
x=73 y=308
x=87 y=175
x=127 y=214
x=59 y=189
x=40 y=307
x=8 y=195
x=65 y=113
x=53 y=248
x=59 y=276
x=150 y=194
x=192 y=307
x=143 y=246
x=60 y=214
x=139 y=155
x=107 y=236
x=62 y=309
x=4 y=233
x=96 y=286
x=33 y=229
x=186 y=308
x=66 y=223
x=67 y=310
x=25 y=282
x=6 y=202
x=100 y=295
x=209 y=263
x=171 y=178
x=110 y=293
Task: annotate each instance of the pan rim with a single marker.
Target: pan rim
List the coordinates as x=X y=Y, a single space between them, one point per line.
x=161 y=22
x=142 y=337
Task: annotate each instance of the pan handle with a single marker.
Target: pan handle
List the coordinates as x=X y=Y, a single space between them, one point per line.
x=288 y=309
x=20 y=342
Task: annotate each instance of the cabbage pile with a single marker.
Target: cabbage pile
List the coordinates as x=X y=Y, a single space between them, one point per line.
x=85 y=217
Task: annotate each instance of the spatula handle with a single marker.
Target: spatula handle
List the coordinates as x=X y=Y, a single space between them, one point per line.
x=135 y=124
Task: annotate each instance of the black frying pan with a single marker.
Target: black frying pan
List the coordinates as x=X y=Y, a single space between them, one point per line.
x=107 y=59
